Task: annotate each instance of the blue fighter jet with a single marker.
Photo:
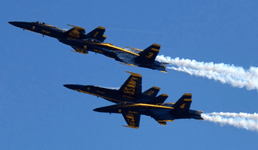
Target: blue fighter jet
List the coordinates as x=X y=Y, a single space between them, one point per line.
x=93 y=41
x=132 y=103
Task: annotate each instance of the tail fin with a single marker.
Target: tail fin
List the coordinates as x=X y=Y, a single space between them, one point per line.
x=152 y=92
x=98 y=34
x=132 y=86
x=160 y=99
x=149 y=54
x=183 y=104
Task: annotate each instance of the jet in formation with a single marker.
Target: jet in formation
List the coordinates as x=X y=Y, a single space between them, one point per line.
x=93 y=41
x=132 y=103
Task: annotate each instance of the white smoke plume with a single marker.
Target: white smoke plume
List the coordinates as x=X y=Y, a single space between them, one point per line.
x=225 y=73
x=243 y=115
x=240 y=120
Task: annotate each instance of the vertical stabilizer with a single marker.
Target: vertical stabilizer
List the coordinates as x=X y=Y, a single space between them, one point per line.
x=183 y=104
x=148 y=55
x=132 y=86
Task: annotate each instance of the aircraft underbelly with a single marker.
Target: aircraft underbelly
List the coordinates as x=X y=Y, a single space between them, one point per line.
x=161 y=115
x=126 y=58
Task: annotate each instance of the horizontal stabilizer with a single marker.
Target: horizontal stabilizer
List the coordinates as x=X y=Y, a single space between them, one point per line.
x=163 y=122
x=79 y=50
x=130 y=126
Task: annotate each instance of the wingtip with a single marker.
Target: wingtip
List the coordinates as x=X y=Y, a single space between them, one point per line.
x=164 y=71
x=134 y=74
x=131 y=127
x=155 y=44
x=188 y=94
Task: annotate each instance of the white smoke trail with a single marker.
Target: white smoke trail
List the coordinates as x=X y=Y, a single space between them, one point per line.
x=240 y=122
x=225 y=73
x=242 y=115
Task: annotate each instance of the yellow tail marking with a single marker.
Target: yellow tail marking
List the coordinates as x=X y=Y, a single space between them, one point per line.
x=150 y=93
x=149 y=55
x=182 y=106
x=154 y=49
x=96 y=34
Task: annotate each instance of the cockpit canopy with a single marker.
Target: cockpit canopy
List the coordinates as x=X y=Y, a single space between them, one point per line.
x=39 y=22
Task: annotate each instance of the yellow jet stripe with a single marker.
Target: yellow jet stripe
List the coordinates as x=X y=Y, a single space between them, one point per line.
x=150 y=105
x=115 y=47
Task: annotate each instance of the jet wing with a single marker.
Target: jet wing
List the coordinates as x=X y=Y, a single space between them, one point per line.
x=79 y=50
x=162 y=118
x=132 y=118
x=126 y=59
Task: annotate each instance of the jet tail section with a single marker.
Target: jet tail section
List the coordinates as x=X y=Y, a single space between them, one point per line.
x=132 y=86
x=152 y=92
x=183 y=104
x=160 y=99
x=98 y=34
x=149 y=54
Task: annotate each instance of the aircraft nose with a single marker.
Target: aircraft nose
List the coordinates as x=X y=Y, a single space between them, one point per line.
x=69 y=86
x=24 y=25
x=14 y=23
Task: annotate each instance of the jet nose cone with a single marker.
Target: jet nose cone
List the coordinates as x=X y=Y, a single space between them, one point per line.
x=101 y=109
x=97 y=110
x=14 y=23
x=69 y=86
x=24 y=25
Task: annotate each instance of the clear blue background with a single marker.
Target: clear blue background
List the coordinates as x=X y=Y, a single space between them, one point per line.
x=37 y=112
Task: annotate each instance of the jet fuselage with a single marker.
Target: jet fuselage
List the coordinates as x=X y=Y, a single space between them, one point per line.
x=124 y=55
x=93 y=41
x=165 y=111
x=112 y=95
x=42 y=28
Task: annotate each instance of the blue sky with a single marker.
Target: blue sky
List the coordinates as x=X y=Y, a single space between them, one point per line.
x=37 y=112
